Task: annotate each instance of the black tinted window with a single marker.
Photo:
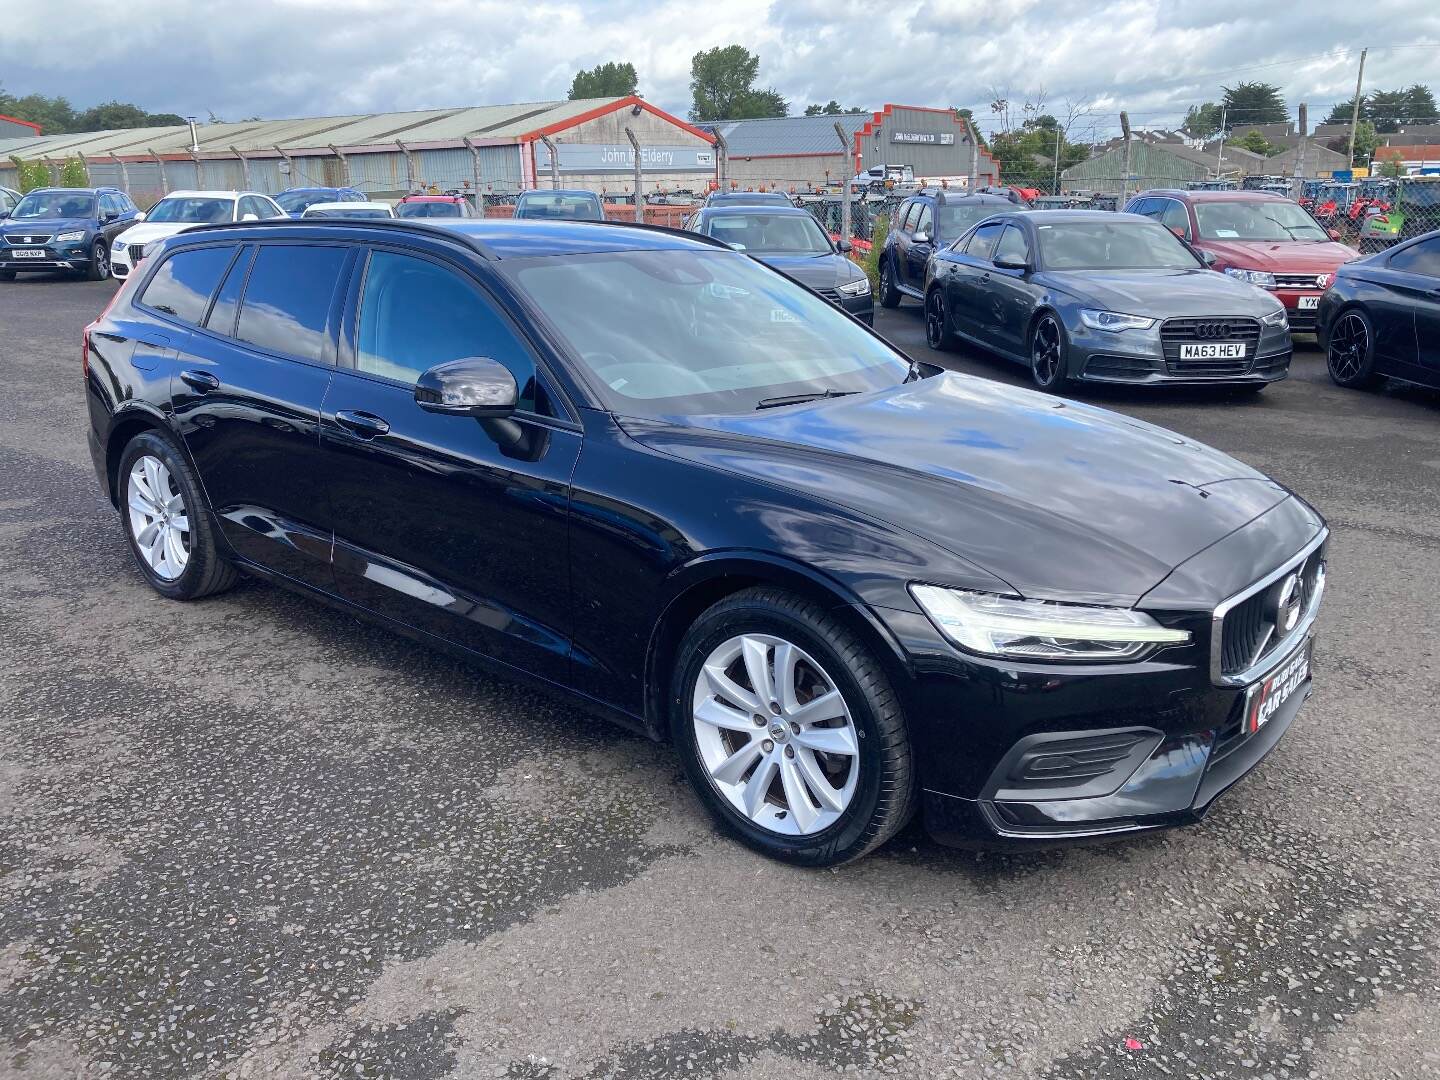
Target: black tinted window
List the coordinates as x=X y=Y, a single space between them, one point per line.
x=1421 y=258
x=227 y=302
x=183 y=284
x=983 y=242
x=1013 y=245
x=415 y=314
x=287 y=300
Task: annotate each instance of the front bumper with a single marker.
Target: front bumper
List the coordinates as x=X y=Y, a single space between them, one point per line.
x=1138 y=358
x=1302 y=321
x=862 y=307
x=55 y=258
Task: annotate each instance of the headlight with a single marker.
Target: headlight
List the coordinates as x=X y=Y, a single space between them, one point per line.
x=1114 y=320
x=1263 y=278
x=70 y=237
x=855 y=288
x=1041 y=630
x=1275 y=318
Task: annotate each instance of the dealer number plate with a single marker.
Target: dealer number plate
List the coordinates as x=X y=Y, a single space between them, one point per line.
x=1308 y=303
x=1213 y=350
x=1266 y=698
x=28 y=253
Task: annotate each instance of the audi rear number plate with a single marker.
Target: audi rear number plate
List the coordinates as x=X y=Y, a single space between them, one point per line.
x=28 y=253
x=1308 y=303
x=1217 y=350
x=1264 y=699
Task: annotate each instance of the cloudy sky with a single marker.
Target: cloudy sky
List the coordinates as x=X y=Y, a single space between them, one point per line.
x=287 y=58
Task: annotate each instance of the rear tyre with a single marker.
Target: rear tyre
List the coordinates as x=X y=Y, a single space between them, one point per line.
x=1350 y=351
x=889 y=292
x=790 y=731
x=1049 y=354
x=938 y=334
x=99 y=268
x=170 y=532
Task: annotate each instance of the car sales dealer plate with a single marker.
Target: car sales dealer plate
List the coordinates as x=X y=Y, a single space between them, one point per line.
x=1265 y=698
x=1213 y=350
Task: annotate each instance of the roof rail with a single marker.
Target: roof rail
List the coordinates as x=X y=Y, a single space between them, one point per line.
x=404 y=224
x=666 y=229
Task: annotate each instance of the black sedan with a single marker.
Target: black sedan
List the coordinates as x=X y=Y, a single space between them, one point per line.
x=1381 y=316
x=1080 y=295
x=672 y=485
x=791 y=240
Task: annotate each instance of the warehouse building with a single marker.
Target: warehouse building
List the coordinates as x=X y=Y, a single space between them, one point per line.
x=1168 y=163
x=11 y=128
x=493 y=150
x=802 y=153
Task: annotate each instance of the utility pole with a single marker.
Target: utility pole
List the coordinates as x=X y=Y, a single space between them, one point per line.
x=244 y=165
x=1058 y=134
x=1220 y=154
x=475 y=169
x=1300 y=151
x=849 y=185
x=1355 y=112
x=639 y=176
x=554 y=161
x=974 y=154
x=722 y=160
x=1125 y=180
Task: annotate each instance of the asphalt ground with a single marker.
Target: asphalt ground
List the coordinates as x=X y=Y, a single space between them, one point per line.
x=254 y=837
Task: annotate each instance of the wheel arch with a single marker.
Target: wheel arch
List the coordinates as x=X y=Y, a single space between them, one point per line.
x=707 y=580
x=131 y=422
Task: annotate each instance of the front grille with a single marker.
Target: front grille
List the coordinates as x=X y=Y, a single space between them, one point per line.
x=1176 y=332
x=1248 y=633
x=1303 y=322
x=1119 y=367
x=1300 y=281
x=28 y=239
x=833 y=295
x=136 y=253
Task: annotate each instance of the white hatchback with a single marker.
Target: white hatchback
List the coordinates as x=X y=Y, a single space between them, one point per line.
x=181 y=210
x=349 y=210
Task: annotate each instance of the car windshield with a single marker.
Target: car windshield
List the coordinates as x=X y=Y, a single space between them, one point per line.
x=1111 y=245
x=770 y=234
x=668 y=334
x=427 y=209
x=958 y=217
x=1262 y=219
x=55 y=204
x=191 y=210
x=294 y=202
x=349 y=212
x=564 y=207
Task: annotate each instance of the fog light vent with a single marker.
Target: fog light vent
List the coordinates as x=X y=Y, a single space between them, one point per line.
x=1072 y=765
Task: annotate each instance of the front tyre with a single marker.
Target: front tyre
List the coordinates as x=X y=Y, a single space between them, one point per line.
x=99 y=268
x=1350 y=352
x=1049 y=354
x=938 y=334
x=789 y=730
x=163 y=511
x=889 y=291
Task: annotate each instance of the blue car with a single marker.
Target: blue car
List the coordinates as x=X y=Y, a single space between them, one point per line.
x=64 y=229
x=575 y=205
x=295 y=200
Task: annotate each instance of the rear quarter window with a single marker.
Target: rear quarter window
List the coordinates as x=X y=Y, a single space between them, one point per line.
x=184 y=283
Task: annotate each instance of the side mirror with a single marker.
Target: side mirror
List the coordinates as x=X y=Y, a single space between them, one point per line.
x=4 y=213
x=471 y=386
x=139 y=215
x=250 y=217
x=1334 y=234
x=843 y=246
x=922 y=238
x=107 y=216
x=1011 y=264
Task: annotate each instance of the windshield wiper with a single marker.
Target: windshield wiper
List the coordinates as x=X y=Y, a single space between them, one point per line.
x=800 y=399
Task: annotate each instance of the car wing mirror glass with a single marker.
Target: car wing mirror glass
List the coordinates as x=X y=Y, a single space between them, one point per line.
x=472 y=386
x=922 y=238
x=139 y=215
x=250 y=217
x=843 y=246
x=1004 y=263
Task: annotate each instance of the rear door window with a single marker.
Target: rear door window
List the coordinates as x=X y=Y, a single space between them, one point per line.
x=923 y=223
x=288 y=299
x=1175 y=217
x=1013 y=245
x=184 y=283
x=982 y=244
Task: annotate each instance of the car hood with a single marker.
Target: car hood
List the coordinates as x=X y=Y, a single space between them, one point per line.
x=1281 y=256
x=815 y=271
x=145 y=232
x=44 y=226
x=1060 y=500
x=1161 y=294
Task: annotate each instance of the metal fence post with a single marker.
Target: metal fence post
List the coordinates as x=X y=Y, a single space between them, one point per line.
x=554 y=161
x=848 y=186
x=244 y=167
x=722 y=160
x=199 y=176
x=1125 y=180
x=475 y=165
x=639 y=175
x=160 y=164
x=344 y=166
x=974 y=154
x=409 y=167
x=289 y=165
x=124 y=173
x=1299 y=185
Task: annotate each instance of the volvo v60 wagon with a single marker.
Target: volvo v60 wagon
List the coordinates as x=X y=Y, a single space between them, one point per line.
x=680 y=488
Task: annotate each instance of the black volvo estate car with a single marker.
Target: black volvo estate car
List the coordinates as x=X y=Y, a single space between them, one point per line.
x=666 y=480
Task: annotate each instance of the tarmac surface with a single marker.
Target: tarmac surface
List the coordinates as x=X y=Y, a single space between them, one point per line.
x=253 y=837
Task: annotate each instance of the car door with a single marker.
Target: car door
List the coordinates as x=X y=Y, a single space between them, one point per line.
x=921 y=244
x=904 y=221
x=1009 y=295
x=438 y=526
x=247 y=396
x=1415 y=278
x=965 y=289
x=113 y=218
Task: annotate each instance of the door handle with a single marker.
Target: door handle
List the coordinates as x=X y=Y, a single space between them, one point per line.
x=366 y=425
x=201 y=382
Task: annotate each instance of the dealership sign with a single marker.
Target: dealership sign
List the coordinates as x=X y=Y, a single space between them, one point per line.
x=620 y=158
x=934 y=138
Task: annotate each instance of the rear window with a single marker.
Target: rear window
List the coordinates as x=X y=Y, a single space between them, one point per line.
x=427 y=209
x=565 y=207
x=184 y=283
x=288 y=297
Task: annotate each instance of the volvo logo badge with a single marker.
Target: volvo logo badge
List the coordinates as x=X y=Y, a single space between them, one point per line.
x=1287 y=604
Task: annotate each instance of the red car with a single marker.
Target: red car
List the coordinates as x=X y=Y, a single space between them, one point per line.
x=1259 y=237
x=437 y=206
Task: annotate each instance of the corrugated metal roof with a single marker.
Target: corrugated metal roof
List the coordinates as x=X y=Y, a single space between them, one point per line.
x=420 y=126
x=786 y=135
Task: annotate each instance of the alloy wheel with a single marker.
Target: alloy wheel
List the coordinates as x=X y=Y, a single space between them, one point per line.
x=1349 y=345
x=775 y=735
x=1045 y=352
x=101 y=256
x=158 y=520
x=935 y=320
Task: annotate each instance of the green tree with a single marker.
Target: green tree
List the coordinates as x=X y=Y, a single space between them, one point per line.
x=54 y=115
x=1341 y=111
x=1420 y=105
x=1203 y=121
x=1366 y=141
x=31 y=174
x=605 y=80
x=73 y=174
x=1256 y=143
x=121 y=114
x=1254 y=103
x=830 y=108
x=722 y=86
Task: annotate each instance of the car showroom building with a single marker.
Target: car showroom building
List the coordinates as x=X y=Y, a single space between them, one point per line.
x=800 y=153
x=492 y=149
